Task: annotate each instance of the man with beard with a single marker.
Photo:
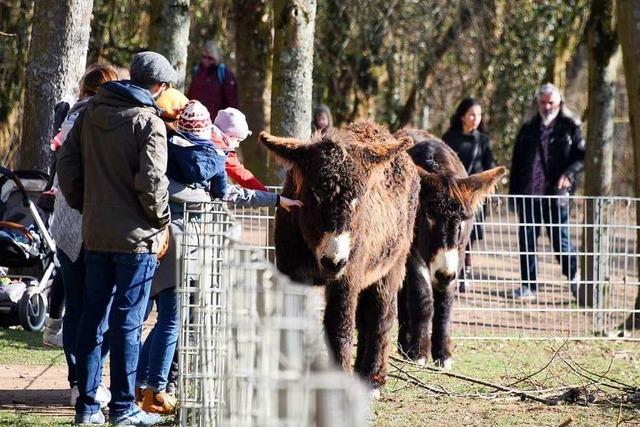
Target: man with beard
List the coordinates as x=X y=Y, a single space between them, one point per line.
x=547 y=157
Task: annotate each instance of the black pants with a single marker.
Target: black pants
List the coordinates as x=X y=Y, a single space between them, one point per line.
x=533 y=213
x=56 y=296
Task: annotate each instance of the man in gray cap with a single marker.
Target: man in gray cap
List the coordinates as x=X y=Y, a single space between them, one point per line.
x=118 y=182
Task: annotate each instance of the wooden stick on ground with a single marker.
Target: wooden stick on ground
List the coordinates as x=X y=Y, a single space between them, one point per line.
x=523 y=395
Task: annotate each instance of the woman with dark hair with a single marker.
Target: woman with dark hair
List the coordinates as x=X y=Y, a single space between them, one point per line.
x=66 y=229
x=467 y=136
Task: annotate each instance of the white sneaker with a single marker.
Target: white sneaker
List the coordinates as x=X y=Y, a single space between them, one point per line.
x=52 y=336
x=103 y=396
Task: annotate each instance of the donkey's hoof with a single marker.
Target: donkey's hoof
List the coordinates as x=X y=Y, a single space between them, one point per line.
x=446 y=364
x=421 y=361
x=375 y=394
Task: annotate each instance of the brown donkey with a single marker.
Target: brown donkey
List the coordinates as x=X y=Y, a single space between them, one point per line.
x=447 y=203
x=359 y=188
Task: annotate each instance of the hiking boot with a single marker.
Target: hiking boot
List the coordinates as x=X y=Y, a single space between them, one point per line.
x=524 y=294
x=96 y=418
x=103 y=396
x=52 y=336
x=159 y=402
x=135 y=417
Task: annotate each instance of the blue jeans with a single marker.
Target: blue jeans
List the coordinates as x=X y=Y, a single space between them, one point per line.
x=158 y=349
x=72 y=274
x=116 y=294
x=537 y=212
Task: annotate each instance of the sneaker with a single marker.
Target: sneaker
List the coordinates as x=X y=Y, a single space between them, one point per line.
x=96 y=418
x=52 y=336
x=136 y=417
x=524 y=294
x=573 y=286
x=103 y=396
x=159 y=402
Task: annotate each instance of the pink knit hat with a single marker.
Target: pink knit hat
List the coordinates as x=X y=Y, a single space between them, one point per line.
x=232 y=123
x=195 y=118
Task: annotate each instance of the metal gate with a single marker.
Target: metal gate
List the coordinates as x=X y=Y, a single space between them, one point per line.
x=603 y=238
x=251 y=350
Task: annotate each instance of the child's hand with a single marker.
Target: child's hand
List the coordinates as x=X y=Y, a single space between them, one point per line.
x=287 y=204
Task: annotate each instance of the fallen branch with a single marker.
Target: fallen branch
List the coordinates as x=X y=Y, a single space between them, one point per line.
x=523 y=395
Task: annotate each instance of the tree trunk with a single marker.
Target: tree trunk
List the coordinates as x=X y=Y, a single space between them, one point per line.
x=437 y=52
x=565 y=47
x=254 y=44
x=628 y=13
x=57 y=59
x=291 y=97
x=604 y=60
x=169 y=33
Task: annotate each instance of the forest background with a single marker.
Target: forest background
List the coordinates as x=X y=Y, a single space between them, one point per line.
x=399 y=62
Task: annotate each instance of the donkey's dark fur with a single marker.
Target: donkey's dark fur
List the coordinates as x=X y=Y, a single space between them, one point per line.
x=447 y=202
x=359 y=189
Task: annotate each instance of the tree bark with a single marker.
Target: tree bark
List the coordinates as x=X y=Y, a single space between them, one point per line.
x=291 y=98
x=254 y=44
x=604 y=60
x=57 y=59
x=628 y=14
x=565 y=47
x=169 y=33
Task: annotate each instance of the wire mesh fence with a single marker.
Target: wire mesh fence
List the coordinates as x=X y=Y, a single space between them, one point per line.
x=251 y=349
x=585 y=288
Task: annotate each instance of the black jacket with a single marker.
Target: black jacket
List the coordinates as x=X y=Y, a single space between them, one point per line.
x=565 y=153
x=464 y=145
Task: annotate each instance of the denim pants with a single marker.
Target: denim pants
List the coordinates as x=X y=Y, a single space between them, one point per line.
x=157 y=352
x=72 y=274
x=116 y=294
x=533 y=213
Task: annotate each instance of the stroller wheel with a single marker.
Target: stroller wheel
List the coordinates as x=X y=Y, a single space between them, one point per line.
x=32 y=310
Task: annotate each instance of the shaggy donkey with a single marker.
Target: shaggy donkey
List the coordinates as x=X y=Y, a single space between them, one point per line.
x=359 y=188
x=447 y=202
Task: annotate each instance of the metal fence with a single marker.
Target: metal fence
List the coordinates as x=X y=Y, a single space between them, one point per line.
x=603 y=239
x=251 y=349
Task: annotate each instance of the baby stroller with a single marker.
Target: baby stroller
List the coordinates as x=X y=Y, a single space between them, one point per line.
x=27 y=250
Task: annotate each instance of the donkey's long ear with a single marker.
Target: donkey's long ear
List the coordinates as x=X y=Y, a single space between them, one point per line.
x=388 y=149
x=476 y=187
x=291 y=150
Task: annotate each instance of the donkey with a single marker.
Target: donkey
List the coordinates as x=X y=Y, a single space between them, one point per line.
x=360 y=193
x=447 y=202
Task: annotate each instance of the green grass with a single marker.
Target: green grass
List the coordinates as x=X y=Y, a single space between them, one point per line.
x=19 y=347
x=501 y=362
x=21 y=419
x=504 y=363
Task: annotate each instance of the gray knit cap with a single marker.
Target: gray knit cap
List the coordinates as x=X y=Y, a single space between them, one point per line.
x=149 y=68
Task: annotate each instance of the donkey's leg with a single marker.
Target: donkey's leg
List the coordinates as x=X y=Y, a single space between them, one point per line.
x=442 y=305
x=380 y=302
x=404 y=328
x=421 y=315
x=339 y=319
x=415 y=311
x=363 y=320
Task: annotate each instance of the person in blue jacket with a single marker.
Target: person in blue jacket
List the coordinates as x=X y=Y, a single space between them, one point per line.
x=196 y=172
